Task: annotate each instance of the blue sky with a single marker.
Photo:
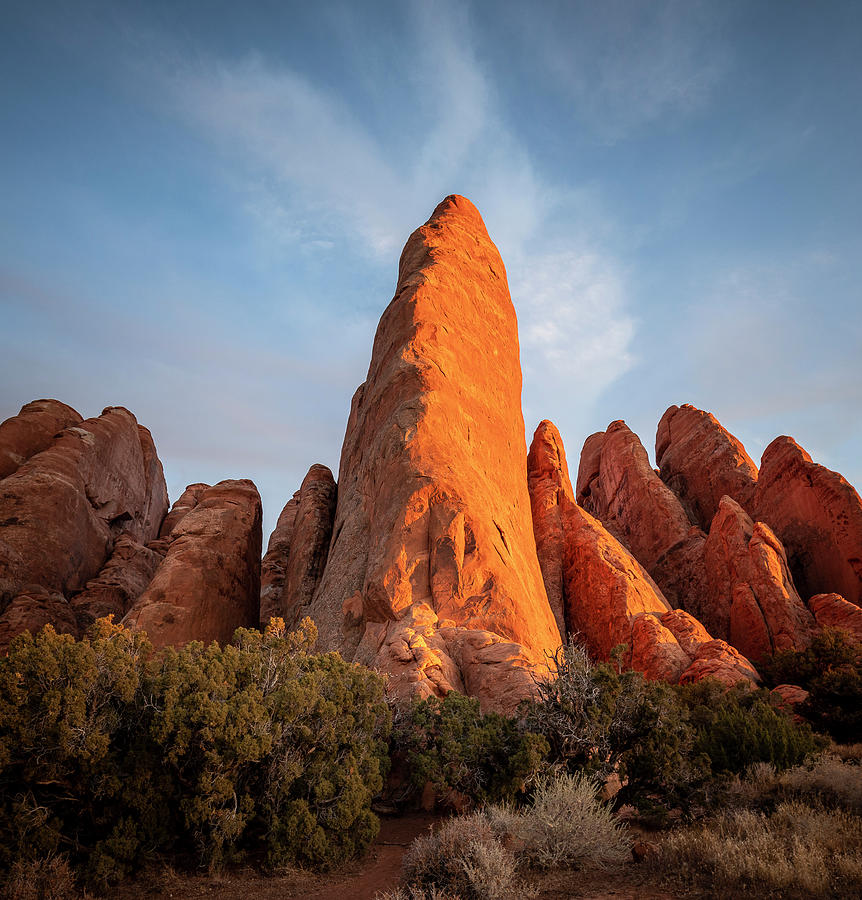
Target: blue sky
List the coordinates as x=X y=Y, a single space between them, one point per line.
x=202 y=207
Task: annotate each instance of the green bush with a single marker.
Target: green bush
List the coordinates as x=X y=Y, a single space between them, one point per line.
x=831 y=671
x=453 y=745
x=739 y=727
x=670 y=744
x=109 y=751
x=600 y=721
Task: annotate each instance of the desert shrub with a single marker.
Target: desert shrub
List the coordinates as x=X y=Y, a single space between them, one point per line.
x=598 y=720
x=49 y=878
x=830 y=669
x=798 y=851
x=829 y=781
x=739 y=727
x=670 y=745
x=269 y=739
x=415 y=893
x=565 y=824
x=77 y=773
x=463 y=857
x=109 y=752
x=453 y=745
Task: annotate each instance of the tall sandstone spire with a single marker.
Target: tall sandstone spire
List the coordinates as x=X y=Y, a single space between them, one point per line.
x=432 y=573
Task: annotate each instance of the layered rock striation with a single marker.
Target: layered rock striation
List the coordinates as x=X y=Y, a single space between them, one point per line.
x=432 y=573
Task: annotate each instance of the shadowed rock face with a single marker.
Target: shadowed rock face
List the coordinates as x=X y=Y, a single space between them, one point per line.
x=62 y=510
x=209 y=582
x=432 y=572
x=31 y=431
x=817 y=515
x=753 y=602
x=702 y=462
x=298 y=548
x=618 y=486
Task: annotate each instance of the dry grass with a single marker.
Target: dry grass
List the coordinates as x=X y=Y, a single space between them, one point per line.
x=476 y=856
x=465 y=858
x=40 y=879
x=565 y=825
x=415 y=893
x=830 y=781
x=798 y=851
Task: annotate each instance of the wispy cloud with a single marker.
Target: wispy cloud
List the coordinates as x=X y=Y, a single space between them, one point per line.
x=308 y=158
x=626 y=64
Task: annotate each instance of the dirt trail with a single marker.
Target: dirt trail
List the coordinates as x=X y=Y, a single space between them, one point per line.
x=378 y=870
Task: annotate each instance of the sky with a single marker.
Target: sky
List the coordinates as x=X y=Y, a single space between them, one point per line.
x=202 y=206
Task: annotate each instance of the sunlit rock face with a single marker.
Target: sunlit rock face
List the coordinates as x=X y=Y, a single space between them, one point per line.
x=298 y=548
x=701 y=461
x=208 y=584
x=753 y=602
x=817 y=515
x=618 y=486
x=432 y=573
x=608 y=599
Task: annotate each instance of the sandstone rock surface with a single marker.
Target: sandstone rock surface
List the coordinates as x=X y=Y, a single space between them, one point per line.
x=34 y=608
x=209 y=582
x=753 y=602
x=123 y=578
x=817 y=515
x=31 y=431
x=432 y=572
x=547 y=472
x=298 y=547
x=701 y=461
x=608 y=598
x=618 y=486
x=833 y=611
x=62 y=510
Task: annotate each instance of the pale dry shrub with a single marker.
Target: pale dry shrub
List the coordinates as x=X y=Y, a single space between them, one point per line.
x=797 y=852
x=463 y=857
x=565 y=825
x=415 y=893
x=830 y=781
x=851 y=753
x=40 y=879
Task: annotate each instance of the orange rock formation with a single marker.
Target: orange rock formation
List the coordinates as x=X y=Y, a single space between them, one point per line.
x=209 y=582
x=619 y=487
x=701 y=462
x=297 y=551
x=752 y=602
x=817 y=515
x=432 y=572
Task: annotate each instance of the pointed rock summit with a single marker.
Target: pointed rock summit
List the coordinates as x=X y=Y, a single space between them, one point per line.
x=702 y=462
x=608 y=599
x=298 y=547
x=817 y=515
x=432 y=572
x=618 y=486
